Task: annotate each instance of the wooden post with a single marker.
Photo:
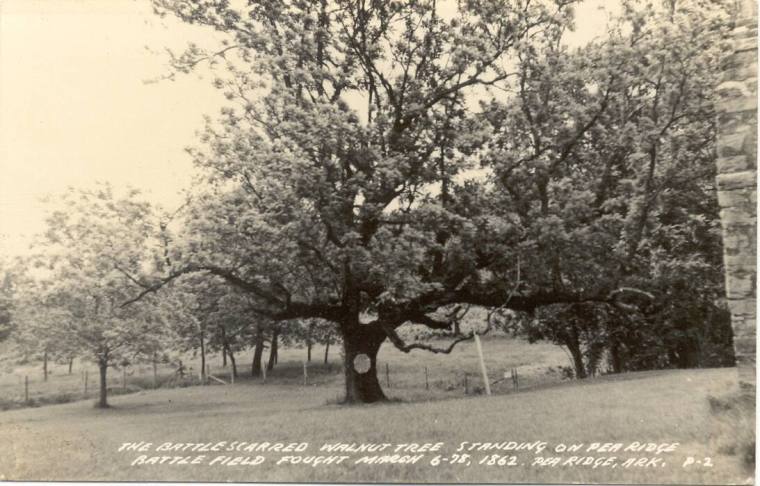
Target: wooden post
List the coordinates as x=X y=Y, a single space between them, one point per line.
x=387 y=375
x=155 y=372
x=515 y=379
x=124 y=377
x=482 y=365
x=232 y=376
x=264 y=373
x=26 y=389
x=208 y=373
x=85 y=383
x=305 y=374
x=427 y=385
x=465 y=384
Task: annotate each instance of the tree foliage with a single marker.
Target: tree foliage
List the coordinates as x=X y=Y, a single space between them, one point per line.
x=340 y=182
x=94 y=241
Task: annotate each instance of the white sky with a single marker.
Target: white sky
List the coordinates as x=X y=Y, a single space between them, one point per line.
x=74 y=107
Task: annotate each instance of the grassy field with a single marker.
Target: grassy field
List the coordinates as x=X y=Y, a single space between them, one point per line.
x=537 y=364
x=74 y=441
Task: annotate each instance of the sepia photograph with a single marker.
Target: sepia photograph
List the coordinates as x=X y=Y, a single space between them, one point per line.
x=378 y=241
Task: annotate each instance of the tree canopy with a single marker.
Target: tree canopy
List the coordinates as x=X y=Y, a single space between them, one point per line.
x=385 y=163
x=72 y=298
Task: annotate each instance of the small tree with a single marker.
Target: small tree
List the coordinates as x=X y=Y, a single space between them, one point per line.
x=94 y=240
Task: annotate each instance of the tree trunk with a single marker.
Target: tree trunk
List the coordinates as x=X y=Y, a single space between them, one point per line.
x=687 y=354
x=575 y=351
x=232 y=360
x=203 y=359
x=361 y=386
x=595 y=353
x=258 y=351
x=155 y=371
x=71 y=364
x=273 y=351
x=103 y=401
x=616 y=360
x=309 y=341
x=225 y=346
x=44 y=365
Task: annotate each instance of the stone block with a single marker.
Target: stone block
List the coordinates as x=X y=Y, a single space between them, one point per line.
x=744 y=346
x=746 y=261
x=732 y=144
x=738 y=286
x=745 y=57
x=739 y=215
x=736 y=163
x=733 y=89
x=746 y=307
x=739 y=198
x=744 y=326
x=745 y=360
x=747 y=43
x=730 y=122
x=736 y=180
x=734 y=104
x=746 y=70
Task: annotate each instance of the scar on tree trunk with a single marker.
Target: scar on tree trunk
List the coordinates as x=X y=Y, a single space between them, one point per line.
x=362 y=386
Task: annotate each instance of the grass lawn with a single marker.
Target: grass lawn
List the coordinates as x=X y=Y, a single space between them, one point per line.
x=74 y=441
x=537 y=364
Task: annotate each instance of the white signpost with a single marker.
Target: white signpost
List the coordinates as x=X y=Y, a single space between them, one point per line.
x=482 y=365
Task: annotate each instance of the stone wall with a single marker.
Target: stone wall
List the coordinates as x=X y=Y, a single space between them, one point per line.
x=737 y=180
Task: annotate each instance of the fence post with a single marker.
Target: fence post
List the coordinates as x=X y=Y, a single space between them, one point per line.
x=208 y=373
x=305 y=374
x=517 y=380
x=387 y=375
x=264 y=373
x=427 y=385
x=124 y=377
x=465 y=384
x=26 y=389
x=85 y=384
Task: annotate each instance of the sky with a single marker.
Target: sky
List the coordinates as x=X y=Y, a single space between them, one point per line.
x=76 y=107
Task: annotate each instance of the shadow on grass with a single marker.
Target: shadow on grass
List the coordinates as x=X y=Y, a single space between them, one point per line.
x=734 y=425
